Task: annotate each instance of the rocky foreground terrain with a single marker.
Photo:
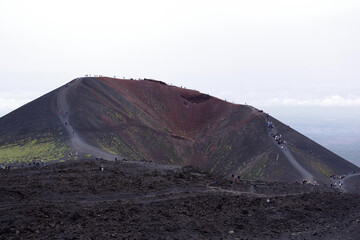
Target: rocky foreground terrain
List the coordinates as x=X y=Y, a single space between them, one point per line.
x=144 y=200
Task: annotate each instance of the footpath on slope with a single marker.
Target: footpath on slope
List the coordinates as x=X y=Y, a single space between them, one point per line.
x=304 y=173
x=349 y=187
x=79 y=145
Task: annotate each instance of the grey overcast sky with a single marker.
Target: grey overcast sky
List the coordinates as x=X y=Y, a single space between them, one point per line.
x=267 y=53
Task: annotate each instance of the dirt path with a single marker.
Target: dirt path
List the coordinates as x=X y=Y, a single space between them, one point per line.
x=346 y=186
x=78 y=145
x=164 y=195
x=304 y=173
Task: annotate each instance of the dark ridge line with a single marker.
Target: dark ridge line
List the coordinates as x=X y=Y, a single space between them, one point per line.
x=153 y=80
x=199 y=98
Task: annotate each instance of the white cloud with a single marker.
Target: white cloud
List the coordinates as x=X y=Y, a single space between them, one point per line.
x=10 y=101
x=330 y=101
x=8 y=105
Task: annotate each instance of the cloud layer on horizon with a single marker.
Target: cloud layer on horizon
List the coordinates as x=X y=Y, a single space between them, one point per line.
x=329 y=101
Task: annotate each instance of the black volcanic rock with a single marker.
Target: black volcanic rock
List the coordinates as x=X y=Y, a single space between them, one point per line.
x=143 y=200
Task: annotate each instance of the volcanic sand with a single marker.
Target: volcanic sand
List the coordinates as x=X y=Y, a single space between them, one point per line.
x=75 y=200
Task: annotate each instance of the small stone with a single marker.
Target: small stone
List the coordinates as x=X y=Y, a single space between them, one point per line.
x=231 y=232
x=315 y=233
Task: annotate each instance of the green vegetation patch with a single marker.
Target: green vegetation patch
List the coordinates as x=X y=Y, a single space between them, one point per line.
x=33 y=149
x=314 y=162
x=255 y=168
x=115 y=145
x=321 y=167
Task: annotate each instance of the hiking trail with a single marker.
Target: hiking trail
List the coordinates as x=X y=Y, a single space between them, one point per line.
x=78 y=145
x=305 y=173
x=345 y=187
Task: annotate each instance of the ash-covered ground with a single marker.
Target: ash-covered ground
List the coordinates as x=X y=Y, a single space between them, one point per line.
x=143 y=200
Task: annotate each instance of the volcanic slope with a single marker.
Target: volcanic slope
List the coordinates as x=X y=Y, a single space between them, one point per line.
x=150 y=120
x=33 y=132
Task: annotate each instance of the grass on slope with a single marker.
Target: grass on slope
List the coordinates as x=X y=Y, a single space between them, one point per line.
x=27 y=150
x=314 y=162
